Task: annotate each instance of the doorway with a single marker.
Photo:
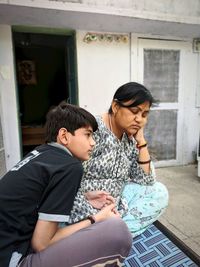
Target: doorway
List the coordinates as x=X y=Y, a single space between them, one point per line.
x=46 y=75
x=161 y=67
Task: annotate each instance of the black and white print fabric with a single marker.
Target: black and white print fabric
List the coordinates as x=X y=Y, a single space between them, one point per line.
x=113 y=163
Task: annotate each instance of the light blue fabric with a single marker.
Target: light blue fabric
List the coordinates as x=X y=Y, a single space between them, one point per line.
x=144 y=204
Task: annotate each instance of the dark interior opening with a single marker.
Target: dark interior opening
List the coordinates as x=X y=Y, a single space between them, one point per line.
x=42 y=81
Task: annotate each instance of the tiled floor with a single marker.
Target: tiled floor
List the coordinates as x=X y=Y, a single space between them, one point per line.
x=182 y=216
x=154 y=249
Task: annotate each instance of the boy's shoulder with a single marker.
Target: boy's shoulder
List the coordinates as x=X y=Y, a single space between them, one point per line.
x=46 y=155
x=55 y=150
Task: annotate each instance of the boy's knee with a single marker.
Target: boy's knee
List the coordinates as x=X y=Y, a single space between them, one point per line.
x=117 y=232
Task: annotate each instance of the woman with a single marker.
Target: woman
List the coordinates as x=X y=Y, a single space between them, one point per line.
x=120 y=166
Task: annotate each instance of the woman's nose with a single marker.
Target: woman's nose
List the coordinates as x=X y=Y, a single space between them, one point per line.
x=138 y=117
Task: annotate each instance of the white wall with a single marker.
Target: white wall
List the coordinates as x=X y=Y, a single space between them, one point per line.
x=179 y=18
x=102 y=67
x=170 y=10
x=8 y=98
x=182 y=11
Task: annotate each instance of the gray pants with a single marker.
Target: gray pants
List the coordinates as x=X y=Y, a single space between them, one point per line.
x=105 y=243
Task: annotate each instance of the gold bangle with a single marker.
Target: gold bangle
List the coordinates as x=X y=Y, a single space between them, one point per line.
x=144 y=162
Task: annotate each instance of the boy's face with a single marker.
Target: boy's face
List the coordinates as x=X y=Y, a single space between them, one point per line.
x=81 y=143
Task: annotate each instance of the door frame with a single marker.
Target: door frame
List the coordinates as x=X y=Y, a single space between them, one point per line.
x=138 y=45
x=70 y=61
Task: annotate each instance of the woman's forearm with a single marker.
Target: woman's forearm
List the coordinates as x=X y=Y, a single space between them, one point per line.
x=144 y=156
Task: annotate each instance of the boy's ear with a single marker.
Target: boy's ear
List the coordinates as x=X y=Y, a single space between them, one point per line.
x=63 y=136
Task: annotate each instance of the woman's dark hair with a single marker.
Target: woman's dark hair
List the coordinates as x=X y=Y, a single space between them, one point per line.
x=67 y=116
x=132 y=91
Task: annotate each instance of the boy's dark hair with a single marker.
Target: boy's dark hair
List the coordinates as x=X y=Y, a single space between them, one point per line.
x=67 y=116
x=132 y=91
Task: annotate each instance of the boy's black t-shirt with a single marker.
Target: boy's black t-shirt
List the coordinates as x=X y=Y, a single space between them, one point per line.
x=43 y=185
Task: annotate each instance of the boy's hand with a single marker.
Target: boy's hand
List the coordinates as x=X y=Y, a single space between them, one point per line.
x=107 y=212
x=99 y=199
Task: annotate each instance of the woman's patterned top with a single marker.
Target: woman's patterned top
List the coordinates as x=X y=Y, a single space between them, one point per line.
x=112 y=164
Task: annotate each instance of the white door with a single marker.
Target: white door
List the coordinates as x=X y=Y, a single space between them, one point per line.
x=2 y=153
x=160 y=66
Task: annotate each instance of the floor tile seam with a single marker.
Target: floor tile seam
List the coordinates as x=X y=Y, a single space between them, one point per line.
x=177 y=229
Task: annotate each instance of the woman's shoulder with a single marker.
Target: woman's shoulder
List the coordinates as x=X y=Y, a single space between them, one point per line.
x=101 y=124
x=102 y=134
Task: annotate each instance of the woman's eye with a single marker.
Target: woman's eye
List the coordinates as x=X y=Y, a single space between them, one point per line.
x=134 y=111
x=145 y=114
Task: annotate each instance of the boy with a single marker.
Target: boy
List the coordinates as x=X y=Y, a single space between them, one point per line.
x=38 y=193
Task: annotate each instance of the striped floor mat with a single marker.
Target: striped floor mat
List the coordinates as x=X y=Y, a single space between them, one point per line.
x=154 y=249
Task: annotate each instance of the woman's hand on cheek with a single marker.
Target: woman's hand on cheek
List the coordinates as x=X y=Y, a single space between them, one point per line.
x=139 y=136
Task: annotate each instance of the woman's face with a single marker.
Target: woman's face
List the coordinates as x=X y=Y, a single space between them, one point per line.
x=130 y=119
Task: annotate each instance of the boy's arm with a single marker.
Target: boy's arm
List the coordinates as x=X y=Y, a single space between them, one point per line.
x=47 y=233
